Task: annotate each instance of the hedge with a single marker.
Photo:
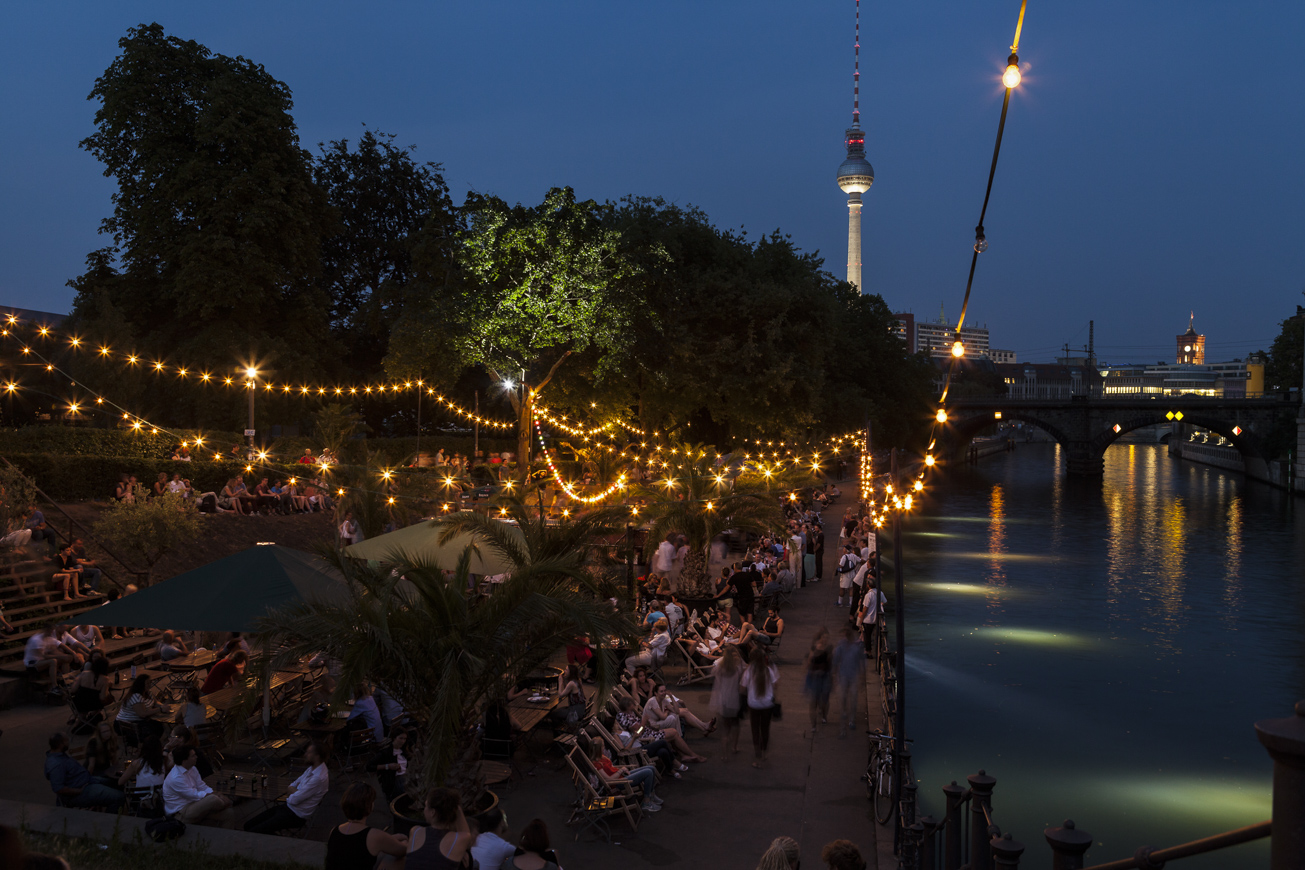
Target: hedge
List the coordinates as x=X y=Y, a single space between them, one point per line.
x=125 y=443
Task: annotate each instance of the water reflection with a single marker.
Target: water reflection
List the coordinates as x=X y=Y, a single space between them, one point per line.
x=1111 y=644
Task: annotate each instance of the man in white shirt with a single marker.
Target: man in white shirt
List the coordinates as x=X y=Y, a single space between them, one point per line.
x=492 y=847
x=796 y=549
x=664 y=559
x=184 y=793
x=44 y=652
x=306 y=793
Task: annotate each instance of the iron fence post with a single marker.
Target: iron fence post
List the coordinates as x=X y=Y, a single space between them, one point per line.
x=906 y=814
x=912 y=837
x=1006 y=852
x=1285 y=741
x=952 y=857
x=1068 y=846
x=929 y=843
x=981 y=786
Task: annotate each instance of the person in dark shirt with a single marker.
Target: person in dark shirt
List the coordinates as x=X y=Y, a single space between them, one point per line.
x=744 y=593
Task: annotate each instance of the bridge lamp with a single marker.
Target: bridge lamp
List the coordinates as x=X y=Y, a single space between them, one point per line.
x=996 y=415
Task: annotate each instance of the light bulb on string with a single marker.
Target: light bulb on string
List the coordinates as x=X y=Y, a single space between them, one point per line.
x=1011 y=77
x=958 y=349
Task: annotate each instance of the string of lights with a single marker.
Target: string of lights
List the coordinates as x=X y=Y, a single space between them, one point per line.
x=567 y=487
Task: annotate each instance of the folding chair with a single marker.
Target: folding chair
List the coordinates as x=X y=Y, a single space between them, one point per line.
x=695 y=672
x=591 y=807
x=145 y=801
x=634 y=756
x=212 y=741
x=359 y=741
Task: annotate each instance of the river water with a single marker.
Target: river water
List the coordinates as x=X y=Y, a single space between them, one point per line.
x=1103 y=648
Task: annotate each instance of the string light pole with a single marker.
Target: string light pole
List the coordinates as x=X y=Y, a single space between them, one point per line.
x=251 y=383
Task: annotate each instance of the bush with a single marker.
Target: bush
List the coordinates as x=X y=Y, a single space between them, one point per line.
x=76 y=441
x=149 y=529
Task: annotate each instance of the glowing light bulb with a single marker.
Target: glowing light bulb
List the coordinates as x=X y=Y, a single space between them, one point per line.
x=1011 y=77
x=919 y=485
x=929 y=460
x=941 y=416
x=251 y=372
x=958 y=349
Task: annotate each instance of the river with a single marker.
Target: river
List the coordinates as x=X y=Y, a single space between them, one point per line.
x=1103 y=648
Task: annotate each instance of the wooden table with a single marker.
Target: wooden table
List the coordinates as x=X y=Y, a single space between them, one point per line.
x=197 y=660
x=249 y=786
x=526 y=716
x=228 y=698
x=172 y=713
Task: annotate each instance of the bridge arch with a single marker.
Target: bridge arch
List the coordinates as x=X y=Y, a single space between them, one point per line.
x=1248 y=444
x=963 y=430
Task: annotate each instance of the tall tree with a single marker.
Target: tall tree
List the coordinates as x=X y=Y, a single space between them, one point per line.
x=1283 y=371
x=537 y=285
x=386 y=204
x=217 y=224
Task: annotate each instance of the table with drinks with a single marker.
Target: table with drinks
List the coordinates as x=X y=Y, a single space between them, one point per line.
x=267 y=787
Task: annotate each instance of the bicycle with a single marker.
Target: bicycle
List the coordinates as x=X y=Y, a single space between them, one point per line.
x=878 y=775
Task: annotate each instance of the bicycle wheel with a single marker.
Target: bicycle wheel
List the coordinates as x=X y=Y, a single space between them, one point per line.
x=884 y=805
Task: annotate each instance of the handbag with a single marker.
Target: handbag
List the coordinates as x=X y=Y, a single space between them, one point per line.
x=777 y=711
x=160 y=830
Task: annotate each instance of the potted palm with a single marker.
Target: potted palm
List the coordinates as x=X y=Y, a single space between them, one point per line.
x=697 y=499
x=443 y=651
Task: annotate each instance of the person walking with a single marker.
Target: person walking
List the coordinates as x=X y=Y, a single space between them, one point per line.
x=848 y=564
x=849 y=671
x=725 y=701
x=760 y=679
x=818 y=680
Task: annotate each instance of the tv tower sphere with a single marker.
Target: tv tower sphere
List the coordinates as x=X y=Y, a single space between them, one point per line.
x=855 y=174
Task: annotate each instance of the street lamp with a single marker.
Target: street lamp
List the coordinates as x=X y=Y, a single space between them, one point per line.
x=251 y=378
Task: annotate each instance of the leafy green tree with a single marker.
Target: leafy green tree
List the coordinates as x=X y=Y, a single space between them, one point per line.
x=217 y=224
x=444 y=652
x=17 y=495
x=697 y=500
x=386 y=204
x=538 y=285
x=149 y=529
x=1283 y=371
x=335 y=424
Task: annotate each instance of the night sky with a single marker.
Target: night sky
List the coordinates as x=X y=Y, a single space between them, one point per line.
x=1152 y=162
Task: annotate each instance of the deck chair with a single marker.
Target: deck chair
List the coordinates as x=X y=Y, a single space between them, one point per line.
x=634 y=756
x=694 y=672
x=592 y=807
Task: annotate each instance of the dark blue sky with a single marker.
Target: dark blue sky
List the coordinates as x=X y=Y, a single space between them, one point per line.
x=1152 y=161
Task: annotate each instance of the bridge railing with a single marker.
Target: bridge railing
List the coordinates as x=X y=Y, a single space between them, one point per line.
x=967 y=836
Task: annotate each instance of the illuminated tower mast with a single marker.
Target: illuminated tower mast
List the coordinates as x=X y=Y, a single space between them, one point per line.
x=856 y=174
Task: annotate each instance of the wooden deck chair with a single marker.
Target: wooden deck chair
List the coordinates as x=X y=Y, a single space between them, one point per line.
x=592 y=807
x=694 y=672
x=634 y=756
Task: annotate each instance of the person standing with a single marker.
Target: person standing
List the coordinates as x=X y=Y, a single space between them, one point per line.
x=725 y=701
x=760 y=679
x=849 y=671
x=818 y=549
x=817 y=684
x=796 y=547
x=847 y=565
x=677 y=563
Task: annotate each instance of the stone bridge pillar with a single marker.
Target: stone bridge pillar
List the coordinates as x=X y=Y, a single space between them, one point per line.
x=1081 y=460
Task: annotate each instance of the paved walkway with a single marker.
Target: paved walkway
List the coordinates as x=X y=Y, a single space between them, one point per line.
x=721 y=815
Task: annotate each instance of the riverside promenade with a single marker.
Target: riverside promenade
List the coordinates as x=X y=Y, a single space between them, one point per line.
x=722 y=814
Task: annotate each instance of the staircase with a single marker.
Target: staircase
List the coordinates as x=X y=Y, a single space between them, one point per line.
x=30 y=601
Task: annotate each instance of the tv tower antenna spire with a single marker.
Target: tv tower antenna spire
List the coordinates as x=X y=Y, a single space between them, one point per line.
x=855 y=175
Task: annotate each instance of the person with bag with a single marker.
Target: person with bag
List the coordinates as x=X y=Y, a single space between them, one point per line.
x=847 y=565
x=760 y=679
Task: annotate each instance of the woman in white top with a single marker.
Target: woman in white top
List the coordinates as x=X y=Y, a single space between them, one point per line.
x=150 y=768
x=760 y=679
x=139 y=710
x=728 y=672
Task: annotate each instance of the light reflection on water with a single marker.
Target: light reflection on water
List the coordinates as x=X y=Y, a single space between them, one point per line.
x=1107 y=653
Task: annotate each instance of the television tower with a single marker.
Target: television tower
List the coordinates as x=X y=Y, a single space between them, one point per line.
x=855 y=175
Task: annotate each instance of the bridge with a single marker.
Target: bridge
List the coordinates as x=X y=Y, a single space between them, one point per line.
x=1085 y=426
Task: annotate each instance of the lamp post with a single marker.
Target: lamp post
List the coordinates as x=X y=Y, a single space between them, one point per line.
x=251 y=375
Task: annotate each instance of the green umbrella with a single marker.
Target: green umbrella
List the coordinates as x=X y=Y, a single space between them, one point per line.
x=420 y=542
x=230 y=594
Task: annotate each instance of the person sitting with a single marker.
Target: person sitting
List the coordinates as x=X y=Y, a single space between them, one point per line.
x=654 y=613
x=136 y=718
x=771 y=630
x=225 y=672
x=634 y=723
x=195 y=711
x=239 y=641
x=185 y=796
x=842 y=855
x=170 y=647
x=91 y=694
x=641 y=686
x=676 y=615
x=654 y=649
x=664 y=710
x=160 y=487
x=492 y=847
x=265 y=501
x=88 y=637
x=150 y=768
x=73 y=784
x=533 y=850
x=573 y=702
x=608 y=774
x=102 y=752
x=366 y=713
x=68 y=573
x=306 y=793
x=446 y=842
x=40 y=531
x=391 y=764
x=45 y=652
x=229 y=497
x=355 y=845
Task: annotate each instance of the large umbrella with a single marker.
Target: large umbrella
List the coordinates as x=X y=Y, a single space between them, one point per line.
x=421 y=543
x=230 y=594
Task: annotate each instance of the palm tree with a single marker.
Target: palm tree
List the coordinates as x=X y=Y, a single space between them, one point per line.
x=441 y=650
x=698 y=500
